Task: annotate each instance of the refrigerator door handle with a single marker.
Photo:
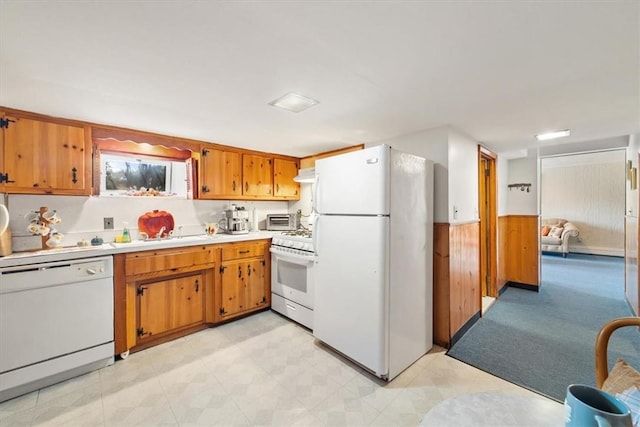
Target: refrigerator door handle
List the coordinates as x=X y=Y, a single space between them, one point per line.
x=314 y=202
x=314 y=235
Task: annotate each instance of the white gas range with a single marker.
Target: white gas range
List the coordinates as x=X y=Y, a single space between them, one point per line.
x=292 y=283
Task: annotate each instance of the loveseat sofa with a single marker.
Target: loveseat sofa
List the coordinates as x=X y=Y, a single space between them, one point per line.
x=555 y=235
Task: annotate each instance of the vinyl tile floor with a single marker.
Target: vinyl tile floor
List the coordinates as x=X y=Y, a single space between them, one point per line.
x=264 y=370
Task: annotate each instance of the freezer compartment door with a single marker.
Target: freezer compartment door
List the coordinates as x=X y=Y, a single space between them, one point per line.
x=351 y=267
x=355 y=183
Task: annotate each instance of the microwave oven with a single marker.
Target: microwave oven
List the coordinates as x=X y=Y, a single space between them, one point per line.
x=282 y=222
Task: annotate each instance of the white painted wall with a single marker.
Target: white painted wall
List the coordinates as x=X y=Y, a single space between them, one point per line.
x=431 y=144
x=463 y=178
x=503 y=179
x=521 y=171
x=588 y=190
x=82 y=217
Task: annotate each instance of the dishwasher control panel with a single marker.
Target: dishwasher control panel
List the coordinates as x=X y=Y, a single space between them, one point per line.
x=90 y=269
x=32 y=276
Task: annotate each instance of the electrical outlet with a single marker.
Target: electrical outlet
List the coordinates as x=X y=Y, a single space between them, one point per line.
x=108 y=223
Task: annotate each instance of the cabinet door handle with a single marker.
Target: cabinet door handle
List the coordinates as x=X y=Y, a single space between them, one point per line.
x=246 y=186
x=4 y=177
x=233 y=185
x=4 y=123
x=74 y=176
x=197 y=285
x=277 y=188
x=239 y=271
x=249 y=270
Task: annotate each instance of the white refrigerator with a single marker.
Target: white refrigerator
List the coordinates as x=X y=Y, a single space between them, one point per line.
x=373 y=240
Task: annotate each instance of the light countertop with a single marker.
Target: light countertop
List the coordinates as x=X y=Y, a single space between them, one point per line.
x=77 y=252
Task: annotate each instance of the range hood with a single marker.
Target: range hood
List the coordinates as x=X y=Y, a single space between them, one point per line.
x=307 y=175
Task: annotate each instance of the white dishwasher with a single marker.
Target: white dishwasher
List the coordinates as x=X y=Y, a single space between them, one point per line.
x=56 y=322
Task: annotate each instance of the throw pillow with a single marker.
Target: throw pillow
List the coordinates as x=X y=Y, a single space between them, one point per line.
x=556 y=231
x=545 y=230
x=621 y=378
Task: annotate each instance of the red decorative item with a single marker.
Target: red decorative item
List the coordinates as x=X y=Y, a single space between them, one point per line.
x=152 y=222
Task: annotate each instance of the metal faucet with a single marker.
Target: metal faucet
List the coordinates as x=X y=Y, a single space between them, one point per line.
x=159 y=235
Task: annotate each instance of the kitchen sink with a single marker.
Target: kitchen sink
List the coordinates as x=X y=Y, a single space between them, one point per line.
x=173 y=241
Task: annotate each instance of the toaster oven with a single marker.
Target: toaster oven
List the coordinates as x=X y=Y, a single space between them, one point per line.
x=282 y=222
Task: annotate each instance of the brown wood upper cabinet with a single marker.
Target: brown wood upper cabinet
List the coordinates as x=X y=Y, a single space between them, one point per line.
x=257 y=174
x=283 y=173
x=243 y=175
x=221 y=174
x=44 y=157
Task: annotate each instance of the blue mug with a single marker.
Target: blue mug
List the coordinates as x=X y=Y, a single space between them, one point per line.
x=587 y=406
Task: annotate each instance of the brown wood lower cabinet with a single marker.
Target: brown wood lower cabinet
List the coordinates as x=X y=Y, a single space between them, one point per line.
x=244 y=284
x=167 y=293
x=168 y=305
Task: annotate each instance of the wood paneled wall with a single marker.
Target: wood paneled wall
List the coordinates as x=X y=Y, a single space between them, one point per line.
x=441 y=288
x=518 y=250
x=456 y=283
x=632 y=285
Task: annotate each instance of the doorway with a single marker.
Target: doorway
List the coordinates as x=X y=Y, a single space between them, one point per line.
x=588 y=190
x=487 y=212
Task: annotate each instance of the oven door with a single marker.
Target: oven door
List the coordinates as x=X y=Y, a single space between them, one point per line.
x=292 y=277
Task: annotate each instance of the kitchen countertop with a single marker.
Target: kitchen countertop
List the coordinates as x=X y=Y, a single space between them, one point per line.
x=77 y=252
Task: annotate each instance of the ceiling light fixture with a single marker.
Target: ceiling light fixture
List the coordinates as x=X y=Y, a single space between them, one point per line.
x=294 y=102
x=553 y=135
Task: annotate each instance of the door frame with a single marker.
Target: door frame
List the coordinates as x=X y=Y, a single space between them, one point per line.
x=487 y=212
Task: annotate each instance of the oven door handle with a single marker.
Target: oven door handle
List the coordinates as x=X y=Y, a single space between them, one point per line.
x=298 y=259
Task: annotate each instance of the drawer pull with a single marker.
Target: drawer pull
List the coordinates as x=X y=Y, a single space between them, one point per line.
x=244 y=252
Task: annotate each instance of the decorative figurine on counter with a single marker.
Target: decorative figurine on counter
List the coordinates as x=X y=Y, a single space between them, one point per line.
x=43 y=223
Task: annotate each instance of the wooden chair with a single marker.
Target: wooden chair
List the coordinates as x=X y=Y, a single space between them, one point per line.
x=602 y=341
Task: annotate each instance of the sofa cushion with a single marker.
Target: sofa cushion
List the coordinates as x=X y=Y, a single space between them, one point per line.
x=621 y=378
x=560 y=222
x=556 y=232
x=545 y=230
x=550 y=240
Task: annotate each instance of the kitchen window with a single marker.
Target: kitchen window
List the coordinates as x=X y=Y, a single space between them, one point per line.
x=125 y=168
x=129 y=175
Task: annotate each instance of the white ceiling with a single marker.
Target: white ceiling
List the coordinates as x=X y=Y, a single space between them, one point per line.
x=498 y=71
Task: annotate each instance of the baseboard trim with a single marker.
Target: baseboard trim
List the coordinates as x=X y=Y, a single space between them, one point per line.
x=503 y=288
x=523 y=286
x=463 y=330
x=596 y=250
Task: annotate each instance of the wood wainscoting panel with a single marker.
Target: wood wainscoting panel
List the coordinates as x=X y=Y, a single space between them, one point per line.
x=456 y=281
x=502 y=253
x=441 y=289
x=464 y=271
x=631 y=282
x=519 y=249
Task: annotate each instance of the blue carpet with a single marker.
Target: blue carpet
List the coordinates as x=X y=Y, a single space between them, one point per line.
x=545 y=340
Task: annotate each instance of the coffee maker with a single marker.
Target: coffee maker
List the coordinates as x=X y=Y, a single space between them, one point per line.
x=235 y=221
